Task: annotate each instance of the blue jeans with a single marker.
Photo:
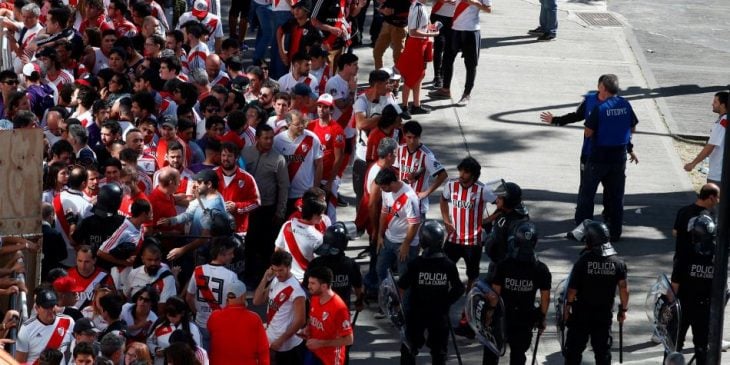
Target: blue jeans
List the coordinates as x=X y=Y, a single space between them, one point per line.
x=389 y=256
x=265 y=33
x=549 y=16
x=613 y=178
x=277 y=68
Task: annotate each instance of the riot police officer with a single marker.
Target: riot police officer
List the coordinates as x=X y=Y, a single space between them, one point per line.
x=433 y=285
x=692 y=281
x=591 y=293
x=98 y=227
x=516 y=280
x=509 y=214
x=346 y=272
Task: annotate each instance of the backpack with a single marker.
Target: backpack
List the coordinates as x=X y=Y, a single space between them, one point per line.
x=221 y=223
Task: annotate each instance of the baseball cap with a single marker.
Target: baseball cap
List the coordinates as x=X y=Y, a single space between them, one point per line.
x=303 y=89
x=238 y=288
x=206 y=176
x=46 y=298
x=49 y=52
x=85 y=325
x=89 y=80
x=239 y=84
x=303 y=4
x=29 y=68
x=200 y=8
x=326 y=99
x=391 y=73
x=168 y=120
x=67 y=284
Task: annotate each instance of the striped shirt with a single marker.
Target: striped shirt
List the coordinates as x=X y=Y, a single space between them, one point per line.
x=466 y=210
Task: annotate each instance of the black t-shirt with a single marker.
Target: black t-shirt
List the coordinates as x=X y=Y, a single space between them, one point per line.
x=434 y=285
x=346 y=274
x=683 y=242
x=400 y=12
x=302 y=37
x=595 y=278
x=694 y=276
x=520 y=281
x=94 y=230
x=327 y=11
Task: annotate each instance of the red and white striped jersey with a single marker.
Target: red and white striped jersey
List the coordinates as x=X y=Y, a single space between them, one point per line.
x=300 y=239
x=466 y=16
x=196 y=58
x=466 y=210
x=63 y=77
x=401 y=209
x=127 y=232
x=421 y=163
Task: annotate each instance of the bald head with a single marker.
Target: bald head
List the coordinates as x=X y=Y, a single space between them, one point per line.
x=168 y=176
x=212 y=65
x=709 y=195
x=149 y=26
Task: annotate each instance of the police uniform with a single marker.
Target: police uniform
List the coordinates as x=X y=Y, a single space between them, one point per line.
x=496 y=246
x=346 y=274
x=594 y=278
x=611 y=122
x=518 y=282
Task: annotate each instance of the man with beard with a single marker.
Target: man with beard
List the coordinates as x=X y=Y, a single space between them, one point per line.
x=174 y=158
x=110 y=133
x=332 y=138
x=238 y=187
x=168 y=135
x=152 y=272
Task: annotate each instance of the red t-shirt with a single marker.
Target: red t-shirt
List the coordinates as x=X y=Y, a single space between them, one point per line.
x=331 y=137
x=163 y=206
x=326 y=322
x=228 y=347
x=374 y=138
x=127 y=200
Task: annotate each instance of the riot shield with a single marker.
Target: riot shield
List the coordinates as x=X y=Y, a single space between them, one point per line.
x=664 y=312
x=561 y=296
x=485 y=319
x=390 y=303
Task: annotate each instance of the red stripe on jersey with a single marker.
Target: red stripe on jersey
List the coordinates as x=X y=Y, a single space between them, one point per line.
x=436 y=7
x=460 y=8
x=723 y=122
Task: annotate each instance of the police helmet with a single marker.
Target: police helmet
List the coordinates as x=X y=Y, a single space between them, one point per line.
x=597 y=238
x=703 y=231
x=432 y=236
x=510 y=192
x=109 y=200
x=522 y=242
x=334 y=241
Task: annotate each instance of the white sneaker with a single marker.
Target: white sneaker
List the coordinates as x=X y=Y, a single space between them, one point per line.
x=725 y=345
x=655 y=338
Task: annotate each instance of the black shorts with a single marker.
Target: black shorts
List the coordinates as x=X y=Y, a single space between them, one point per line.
x=472 y=255
x=241 y=7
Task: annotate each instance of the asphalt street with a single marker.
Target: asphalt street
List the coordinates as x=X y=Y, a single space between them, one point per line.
x=517 y=79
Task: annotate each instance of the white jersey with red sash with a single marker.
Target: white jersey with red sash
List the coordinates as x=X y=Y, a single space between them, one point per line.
x=280 y=312
x=147 y=165
x=221 y=79
x=466 y=210
x=362 y=219
x=163 y=281
x=34 y=336
x=443 y=8
x=69 y=201
x=127 y=232
x=466 y=16
x=211 y=22
x=287 y=82
x=339 y=88
x=249 y=136
x=421 y=164
x=196 y=58
x=209 y=285
x=401 y=209
x=300 y=240
x=89 y=283
x=300 y=155
x=160 y=338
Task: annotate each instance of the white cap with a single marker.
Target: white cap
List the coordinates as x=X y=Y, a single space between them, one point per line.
x=393 y=75
x=29 y=68
x=326 y=99
x=200 y=8
x=238 y=288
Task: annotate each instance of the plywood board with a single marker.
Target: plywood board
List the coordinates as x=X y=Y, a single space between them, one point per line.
x=21 y=174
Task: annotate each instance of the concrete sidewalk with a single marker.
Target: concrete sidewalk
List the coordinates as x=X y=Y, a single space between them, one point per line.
x=517 y=79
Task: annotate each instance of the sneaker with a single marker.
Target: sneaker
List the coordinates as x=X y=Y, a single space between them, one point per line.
x=725 y=345
x=405 y=115
x=655 y=338
x=379 y=314
x=464 y=330
x=364 y=253
x=419 y=110
x=437 y=83
x=463 y=101
x=546 y=37
x=536 y=31
x=439 y=94
x=341 y=201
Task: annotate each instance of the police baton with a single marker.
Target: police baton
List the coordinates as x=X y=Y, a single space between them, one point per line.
x=354 y=318
x=453 y=339
x=620 y=342
x=537 y=343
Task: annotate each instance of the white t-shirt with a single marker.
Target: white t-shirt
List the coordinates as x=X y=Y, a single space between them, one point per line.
x=138 y=279
x=128 y=317
x=160 y=338
x=300 y=155
x=422 y=162
x=218 y=280
x=443 y=8
x=363 y=105
x=339 y=88
x=127 y=232
x=717 y=139
x=401 y=212
x=466 y=16
x=417 y=17
x=33 y=336
x=276 y=124
x=287 y=82
x=281 y=5
x=284 y=315
x=306 y=238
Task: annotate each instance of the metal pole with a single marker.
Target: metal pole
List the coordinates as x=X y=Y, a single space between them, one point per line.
x=719 y=280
